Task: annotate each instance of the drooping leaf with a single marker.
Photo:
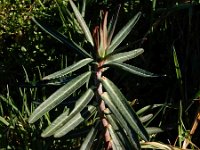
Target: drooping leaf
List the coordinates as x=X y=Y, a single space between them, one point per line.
x=58 y=96
x=82 y=22
x=69 y=69
x=131 y=69
x=121 y=57
x=88 y=141
x=64 y=117
x=61 y=38
x=121 y=35
x=121 y=120
x=75 y=121
x=124 y=108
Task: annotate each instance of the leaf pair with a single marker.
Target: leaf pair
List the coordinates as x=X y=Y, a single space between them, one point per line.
x=58 y=96
x=123 y=111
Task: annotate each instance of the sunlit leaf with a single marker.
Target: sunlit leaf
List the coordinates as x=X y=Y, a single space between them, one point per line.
x=82 y=23
x=124 y=108
x=75 y=121
x=64 y=117
x=121 y=57
x=61 y=38
x=58 y=96
x=131 y=69
x=69 y=69
x=121 y=35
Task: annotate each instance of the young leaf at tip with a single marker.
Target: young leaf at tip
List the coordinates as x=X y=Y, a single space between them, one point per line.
x=122 y=34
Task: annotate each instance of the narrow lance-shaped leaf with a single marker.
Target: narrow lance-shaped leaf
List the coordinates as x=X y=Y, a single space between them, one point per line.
x=121 y=35
x=121 y=120
x=177 y=67
x=69 y=69
x=124 y=108
x=82 y=23
x=61 y=38
x=64 y=117
x=120 y=132
x=88 y=141
x=112 y=25
x=147 y=108
x=131 y=69
x=115 y=140
x=75 y=121
x=3 y=120
x=60 y=95
x=121 y=57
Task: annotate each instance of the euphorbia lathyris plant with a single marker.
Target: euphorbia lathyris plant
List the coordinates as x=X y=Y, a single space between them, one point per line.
x=114 y=117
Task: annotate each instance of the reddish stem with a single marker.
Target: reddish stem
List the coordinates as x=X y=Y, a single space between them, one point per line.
x=102 y=107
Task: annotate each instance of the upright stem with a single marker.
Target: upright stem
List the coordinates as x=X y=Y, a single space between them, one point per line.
x=102 y=107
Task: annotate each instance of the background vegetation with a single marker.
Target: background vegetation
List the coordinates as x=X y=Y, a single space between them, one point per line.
x=169 y=33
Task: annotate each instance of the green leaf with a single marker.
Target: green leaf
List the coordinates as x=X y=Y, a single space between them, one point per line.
x=82 y=22
x=121 y=57
x=3 y=120
x=121 y=35
x=58 y=96
x=69 y=69
x=124 y=108
x=121 y=120
x=64 y=117
x=153 y=130
x=115 y=140
x=148 y=108
x=121 y=133
x=61 y=38
x=131 y=69
x=146 y=118
x=177 y=67
x=88 y=141
x=112 y=25
x=75 y=121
